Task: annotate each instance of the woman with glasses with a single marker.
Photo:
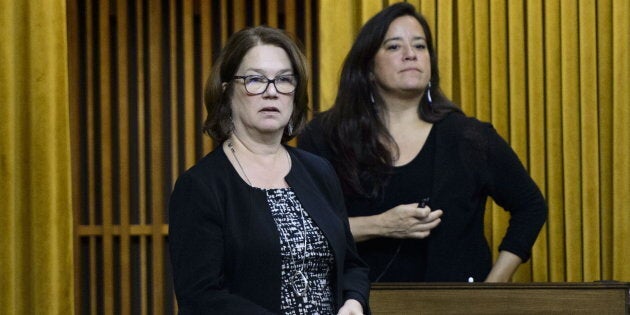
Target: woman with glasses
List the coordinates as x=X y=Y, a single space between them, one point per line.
x=258 y=227
x=416 y=171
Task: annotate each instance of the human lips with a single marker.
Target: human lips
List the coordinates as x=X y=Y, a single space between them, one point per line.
x=268 y=109
x=410 y=69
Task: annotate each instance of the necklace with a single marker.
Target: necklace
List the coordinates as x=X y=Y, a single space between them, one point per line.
x=231 y=146
x=297 y=279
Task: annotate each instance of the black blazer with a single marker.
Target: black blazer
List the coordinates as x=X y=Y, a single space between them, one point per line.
x=224 y=244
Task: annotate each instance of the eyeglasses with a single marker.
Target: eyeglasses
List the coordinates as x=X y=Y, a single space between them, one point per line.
x=258 y=84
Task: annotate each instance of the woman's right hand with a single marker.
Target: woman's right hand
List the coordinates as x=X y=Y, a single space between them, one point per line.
x=402 y=221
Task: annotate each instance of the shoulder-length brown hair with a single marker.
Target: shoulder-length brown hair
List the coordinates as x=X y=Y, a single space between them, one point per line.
x=218 y=99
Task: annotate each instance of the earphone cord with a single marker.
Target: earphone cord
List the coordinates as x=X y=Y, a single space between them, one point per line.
x=423 y=203
x=391 y=261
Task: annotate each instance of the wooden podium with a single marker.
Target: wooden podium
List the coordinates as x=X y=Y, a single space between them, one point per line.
x=500 y=298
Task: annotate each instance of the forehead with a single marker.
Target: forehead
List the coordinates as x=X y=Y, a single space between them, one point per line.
x=268 y=58
x=405 y=26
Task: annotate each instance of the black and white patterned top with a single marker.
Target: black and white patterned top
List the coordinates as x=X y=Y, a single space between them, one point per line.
x=290 y=219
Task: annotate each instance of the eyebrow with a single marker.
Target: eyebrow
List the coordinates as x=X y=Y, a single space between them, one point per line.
x=263 y=72
x=400 y=38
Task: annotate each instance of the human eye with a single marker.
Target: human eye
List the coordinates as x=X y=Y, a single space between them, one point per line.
x=392 y=46
x=255 y=79
x=285 y=79
x=420 y=46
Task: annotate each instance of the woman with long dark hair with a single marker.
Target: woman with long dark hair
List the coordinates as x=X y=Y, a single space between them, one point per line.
x=416 y=172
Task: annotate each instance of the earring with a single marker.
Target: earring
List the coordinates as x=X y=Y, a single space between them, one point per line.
x=231 y=124
x=372 y=98
x=429 y=93
x=290 y=128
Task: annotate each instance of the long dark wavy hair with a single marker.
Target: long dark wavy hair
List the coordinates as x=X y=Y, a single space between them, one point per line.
x=218 y=99
x=357 y=133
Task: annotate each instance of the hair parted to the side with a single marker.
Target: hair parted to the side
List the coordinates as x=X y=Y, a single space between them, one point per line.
x=218 y=99
x=357 y=133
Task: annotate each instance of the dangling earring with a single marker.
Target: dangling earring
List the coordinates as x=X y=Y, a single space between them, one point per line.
x=231 y=127
x=372 y=98
x=429 y=93
x=290 y=128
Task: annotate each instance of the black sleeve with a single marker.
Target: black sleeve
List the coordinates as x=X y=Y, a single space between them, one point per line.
x=356 y=281
x=196 y=246
x=514 y=190
x=356 y=284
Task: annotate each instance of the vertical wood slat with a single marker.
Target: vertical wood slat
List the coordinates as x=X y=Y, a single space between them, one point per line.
x=156 y=55
x=206 y=61
x=224 y=22
x=93 y=276
x=257 y=9
x=142 y=158
x=238 y=20
x=89 y=151
x=189 y=78
x=105 y=107
x=290 y=24
x=135 y=121
x=176 y=19
x=172 y=31
x=272 y=13
x=123 y=156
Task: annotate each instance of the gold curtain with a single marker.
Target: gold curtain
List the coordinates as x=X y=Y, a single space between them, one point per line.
x=35 y=196
x=554 y=78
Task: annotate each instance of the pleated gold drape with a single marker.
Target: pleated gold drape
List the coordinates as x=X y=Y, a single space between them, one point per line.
x=36 y=274
x=553 y=77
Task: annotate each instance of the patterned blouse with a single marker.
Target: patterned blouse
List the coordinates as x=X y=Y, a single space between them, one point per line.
x=308 y=292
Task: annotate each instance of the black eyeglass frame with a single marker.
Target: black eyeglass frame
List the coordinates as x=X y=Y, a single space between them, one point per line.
x=269 y=81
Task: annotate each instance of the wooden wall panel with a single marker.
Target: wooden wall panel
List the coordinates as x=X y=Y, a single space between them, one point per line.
x=137 y=74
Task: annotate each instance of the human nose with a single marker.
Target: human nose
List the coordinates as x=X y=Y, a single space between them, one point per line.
x=409 y=53
x=271 y=88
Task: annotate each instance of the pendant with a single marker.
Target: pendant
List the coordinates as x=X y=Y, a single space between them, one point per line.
x=299 y=283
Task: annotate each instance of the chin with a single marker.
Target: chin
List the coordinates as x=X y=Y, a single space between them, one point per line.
x=270 y=129
x=412 y=89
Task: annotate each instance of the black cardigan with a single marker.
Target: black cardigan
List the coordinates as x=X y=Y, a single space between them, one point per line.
x=225 y=247
x=471 y=163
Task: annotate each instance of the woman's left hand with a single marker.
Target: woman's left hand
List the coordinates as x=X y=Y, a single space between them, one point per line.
x=351 y=307
x=504 y=267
